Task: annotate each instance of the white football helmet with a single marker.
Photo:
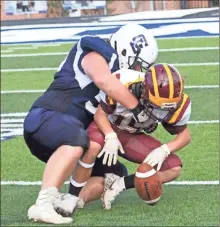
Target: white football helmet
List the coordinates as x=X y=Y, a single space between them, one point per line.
x=136 y=47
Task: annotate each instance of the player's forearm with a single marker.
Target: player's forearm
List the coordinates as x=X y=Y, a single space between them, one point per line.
x=180 y=141
x=102 y=121
x=96 y=67
x=118 y=92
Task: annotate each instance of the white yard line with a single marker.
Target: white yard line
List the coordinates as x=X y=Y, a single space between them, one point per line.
x=189 y=37
x=15 y=132
x=29 y=69
x=32 y=55
x=65 y=53
x=6 y=121
x=6 y=51
x=21 y=114
x=201 y=86
x=188 y=49
x=54 y=69
x=41 y=91
x=22 y=91
x=46 y=45
x=186 y=183
x=23 y=48
x=11 y=126
x=203 y=122
x=195 y=64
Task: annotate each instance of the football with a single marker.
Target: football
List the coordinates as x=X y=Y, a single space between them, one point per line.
x=147 y=184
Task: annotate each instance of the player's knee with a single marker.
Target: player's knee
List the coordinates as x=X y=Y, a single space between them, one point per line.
x=176 y=171
x=94 y=149
x=72 y=152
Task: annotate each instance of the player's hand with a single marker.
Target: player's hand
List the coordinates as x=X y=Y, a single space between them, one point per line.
x=110 y=149
x=157 y=156
x=139 y=113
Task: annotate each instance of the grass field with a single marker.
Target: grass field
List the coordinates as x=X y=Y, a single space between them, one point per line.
x=193 y=203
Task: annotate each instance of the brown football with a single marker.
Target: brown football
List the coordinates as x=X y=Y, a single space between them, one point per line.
x=147 y=184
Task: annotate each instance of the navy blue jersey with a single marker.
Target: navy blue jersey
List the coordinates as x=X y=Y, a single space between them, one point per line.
x=72 y=91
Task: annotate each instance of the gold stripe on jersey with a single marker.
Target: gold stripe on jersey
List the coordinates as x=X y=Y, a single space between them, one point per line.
x=170 y=78
x=177 y=113
x=110 y=101
x=156 y=92
x=139 y=79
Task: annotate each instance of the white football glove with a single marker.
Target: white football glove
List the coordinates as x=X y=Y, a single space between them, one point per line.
x=110 y=149
x=157 y=156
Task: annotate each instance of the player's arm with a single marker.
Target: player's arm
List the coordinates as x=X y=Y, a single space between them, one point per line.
x=112 y=143
x=101 y=120
x=158 y=155
x=182 y=139
x=96 y=67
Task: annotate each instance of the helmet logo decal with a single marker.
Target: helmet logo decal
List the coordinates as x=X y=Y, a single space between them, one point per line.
x=138 y=42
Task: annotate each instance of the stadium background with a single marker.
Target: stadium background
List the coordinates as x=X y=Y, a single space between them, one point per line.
x=31 y=51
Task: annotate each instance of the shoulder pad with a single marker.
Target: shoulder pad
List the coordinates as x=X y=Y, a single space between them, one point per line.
x=180 y=111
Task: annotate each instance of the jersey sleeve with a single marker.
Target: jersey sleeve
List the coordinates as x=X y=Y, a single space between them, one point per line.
x=94 y=43
x=178 y=122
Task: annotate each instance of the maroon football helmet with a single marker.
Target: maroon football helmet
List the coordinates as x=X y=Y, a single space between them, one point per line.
x=162 y=91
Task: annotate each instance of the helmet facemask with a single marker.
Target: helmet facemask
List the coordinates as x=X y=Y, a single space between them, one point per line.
x=137 y=63
x=158 y=113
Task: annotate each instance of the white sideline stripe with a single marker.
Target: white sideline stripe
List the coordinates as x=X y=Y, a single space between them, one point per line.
x=64 y=53
x=50 y=69
x=40 y=91
x=186 y=183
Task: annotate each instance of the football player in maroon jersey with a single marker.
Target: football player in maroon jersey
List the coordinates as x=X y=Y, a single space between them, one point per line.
x=161 y=91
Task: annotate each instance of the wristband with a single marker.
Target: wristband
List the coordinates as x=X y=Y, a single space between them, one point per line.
x=111 y=135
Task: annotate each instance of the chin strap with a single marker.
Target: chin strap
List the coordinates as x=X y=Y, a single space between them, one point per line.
x=136 y=90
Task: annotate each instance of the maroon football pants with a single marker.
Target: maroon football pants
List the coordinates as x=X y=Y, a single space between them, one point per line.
x=136 y=146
